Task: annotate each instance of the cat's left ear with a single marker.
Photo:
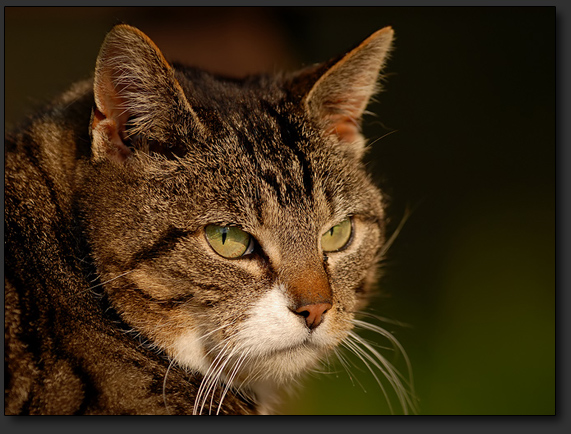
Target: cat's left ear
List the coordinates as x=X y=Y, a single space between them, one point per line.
x=341 y=93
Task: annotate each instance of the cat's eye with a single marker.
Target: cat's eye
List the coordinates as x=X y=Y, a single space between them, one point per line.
x=229 y=241
x=337 y=237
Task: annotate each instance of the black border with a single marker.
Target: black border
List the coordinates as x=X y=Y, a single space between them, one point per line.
x=388 y=424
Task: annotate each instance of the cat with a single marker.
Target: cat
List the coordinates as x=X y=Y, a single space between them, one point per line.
x=183 y=243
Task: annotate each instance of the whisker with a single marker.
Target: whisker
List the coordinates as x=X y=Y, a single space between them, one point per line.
x=381 y=137
x=212 y=376
x=382 y=319
x=346 y=365
x=107 y=281
x=214 y=331
x=358 y=352
x=165 y=385
x=391 y=374
x=388 y=243
x=396 y=344
x=237 y=365
x=203 y=383
x=219 y=376
x=214 y=384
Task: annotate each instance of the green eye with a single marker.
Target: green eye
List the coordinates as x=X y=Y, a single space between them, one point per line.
x=337 y=237
x=229 y=241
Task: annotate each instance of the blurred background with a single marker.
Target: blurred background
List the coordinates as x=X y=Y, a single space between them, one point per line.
x=463 y=134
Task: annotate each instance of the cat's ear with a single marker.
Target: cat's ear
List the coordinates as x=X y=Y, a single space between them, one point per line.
x=136 y=94
x=343 y=89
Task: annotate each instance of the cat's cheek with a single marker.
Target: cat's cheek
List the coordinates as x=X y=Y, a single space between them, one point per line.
x=188 y=350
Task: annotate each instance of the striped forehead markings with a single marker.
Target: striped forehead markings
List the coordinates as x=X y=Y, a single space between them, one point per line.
x=273 y=155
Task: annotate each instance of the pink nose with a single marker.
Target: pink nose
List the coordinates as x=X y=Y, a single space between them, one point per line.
x=313 y=313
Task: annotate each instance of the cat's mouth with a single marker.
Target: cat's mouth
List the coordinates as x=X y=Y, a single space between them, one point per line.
x=306 y=345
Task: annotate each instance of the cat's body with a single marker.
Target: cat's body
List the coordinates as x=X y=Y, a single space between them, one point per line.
x=121 y=297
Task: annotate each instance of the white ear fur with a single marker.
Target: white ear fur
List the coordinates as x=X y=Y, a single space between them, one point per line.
x=339 y=97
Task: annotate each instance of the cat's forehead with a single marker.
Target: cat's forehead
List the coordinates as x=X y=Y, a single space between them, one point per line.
x=274 y=182
x=205 y=90
x=266 y=160
x=254 y=117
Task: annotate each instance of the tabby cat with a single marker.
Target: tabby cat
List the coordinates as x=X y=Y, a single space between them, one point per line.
x=182 y=243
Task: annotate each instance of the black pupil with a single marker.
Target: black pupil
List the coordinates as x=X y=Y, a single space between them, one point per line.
x=224 y=235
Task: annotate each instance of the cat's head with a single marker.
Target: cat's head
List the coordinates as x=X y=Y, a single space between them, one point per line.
x=233 y=221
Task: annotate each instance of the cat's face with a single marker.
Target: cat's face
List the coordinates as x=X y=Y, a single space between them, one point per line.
x=233 y=222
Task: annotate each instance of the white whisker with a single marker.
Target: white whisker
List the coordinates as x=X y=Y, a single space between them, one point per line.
x=394 y=235
x=206 y=381
x=107 y=281
x=214 y=331
x=370 y=356
x=165 y=385
x=375 y=363
x=396 y=344
x=218 y=380
x=358 y=352
x=346 y=365
x=237 y=365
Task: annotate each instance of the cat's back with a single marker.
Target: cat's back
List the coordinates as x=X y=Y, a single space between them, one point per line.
x=43 y=275
x=40 y=157
x=39 y=272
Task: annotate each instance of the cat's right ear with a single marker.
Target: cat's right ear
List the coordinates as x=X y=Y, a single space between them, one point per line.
x=136 y=93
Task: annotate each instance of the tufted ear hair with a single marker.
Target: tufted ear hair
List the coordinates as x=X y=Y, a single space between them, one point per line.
x=339 y=96
x=136 y=93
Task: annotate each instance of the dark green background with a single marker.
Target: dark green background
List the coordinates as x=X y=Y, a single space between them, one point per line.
x=469 y=103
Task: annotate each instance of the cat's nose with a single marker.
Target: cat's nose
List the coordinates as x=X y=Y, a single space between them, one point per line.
x=313 y=313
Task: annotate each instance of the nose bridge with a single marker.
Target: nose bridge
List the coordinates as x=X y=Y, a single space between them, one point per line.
x=307 y=283
x=300 y=262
